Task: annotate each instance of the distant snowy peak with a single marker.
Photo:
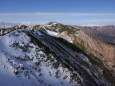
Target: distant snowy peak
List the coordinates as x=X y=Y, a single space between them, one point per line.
x=7 y=25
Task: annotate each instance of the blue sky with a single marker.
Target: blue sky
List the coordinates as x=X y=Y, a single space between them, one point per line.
x=76 y=12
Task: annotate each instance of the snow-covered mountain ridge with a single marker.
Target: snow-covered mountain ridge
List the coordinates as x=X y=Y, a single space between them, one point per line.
x=40 y=56
x=35 y=58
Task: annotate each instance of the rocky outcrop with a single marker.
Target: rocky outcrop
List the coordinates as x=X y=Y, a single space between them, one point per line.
x=4 y=31
x=66 y=36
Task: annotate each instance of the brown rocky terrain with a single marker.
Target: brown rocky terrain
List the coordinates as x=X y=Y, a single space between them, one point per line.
x=4 y=31
x=96 y=48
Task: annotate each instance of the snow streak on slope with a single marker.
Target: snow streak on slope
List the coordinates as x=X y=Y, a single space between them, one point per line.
x=23 y=62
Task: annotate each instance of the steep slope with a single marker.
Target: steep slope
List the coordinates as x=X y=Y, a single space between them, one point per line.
x=37 y=58
x=90 y=44
x=41 y=59
x=23 y=62
x=75 y=58
x=94 y=47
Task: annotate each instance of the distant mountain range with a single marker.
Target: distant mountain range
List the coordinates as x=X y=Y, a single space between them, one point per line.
x=103 y=33
x=7 y=25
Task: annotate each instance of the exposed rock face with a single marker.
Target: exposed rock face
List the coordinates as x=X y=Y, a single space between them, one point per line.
x=66 y=35
x=92 y=46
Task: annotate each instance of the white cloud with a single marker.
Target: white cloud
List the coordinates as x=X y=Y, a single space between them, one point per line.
x=50 y=15
x=37 y=18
